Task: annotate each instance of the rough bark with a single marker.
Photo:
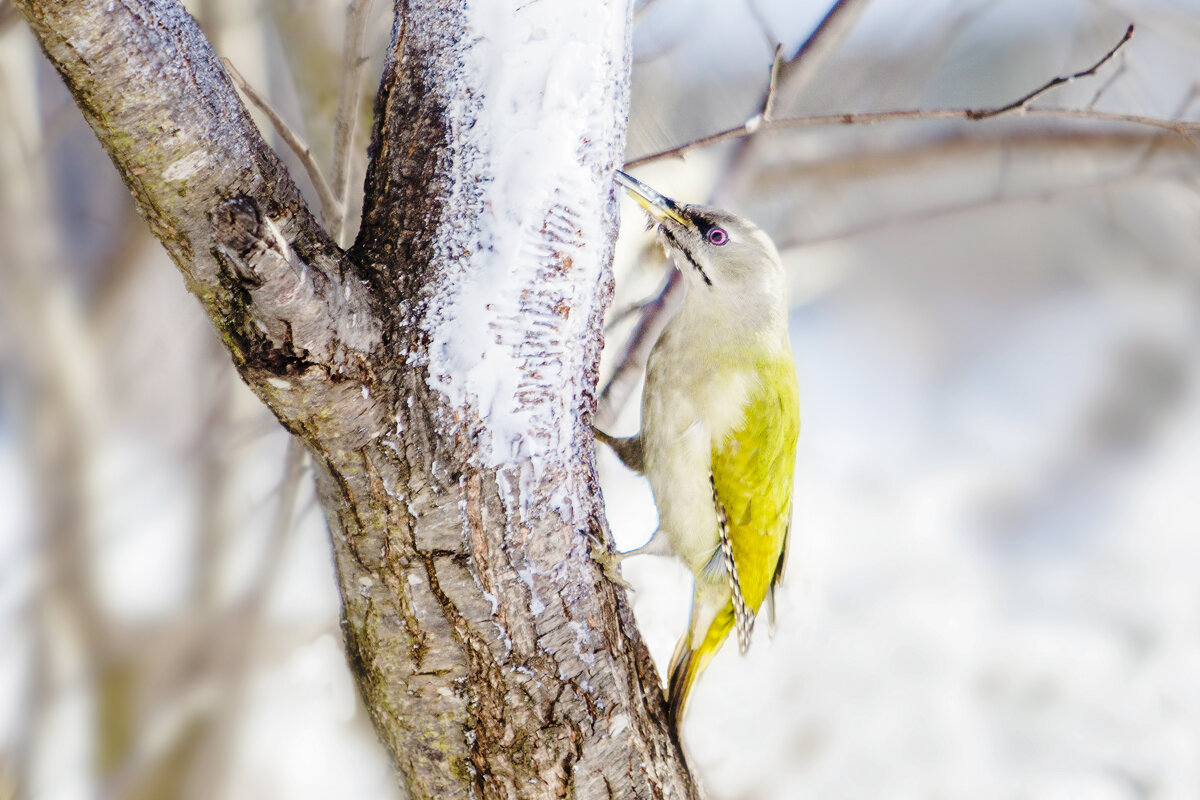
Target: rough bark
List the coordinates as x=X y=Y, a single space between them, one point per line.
x=495 y=658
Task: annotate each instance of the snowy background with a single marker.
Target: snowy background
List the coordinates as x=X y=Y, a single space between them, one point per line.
x=993 y=586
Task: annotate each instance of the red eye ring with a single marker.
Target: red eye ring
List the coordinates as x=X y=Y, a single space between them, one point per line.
x=718 y=236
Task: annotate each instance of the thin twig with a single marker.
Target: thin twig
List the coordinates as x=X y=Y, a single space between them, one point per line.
x=768 y=106
x=294 y=471
x=928 y=153
x=1181 y=110
x=763 y=25
x=1116 y=75
x=812 y=54
x=1023 y=102
x=1180 y=127
x=1019 y=106
x=617 y=317
x=330 y=208
x=786 y=79
x=346 y=116
x=237 y=635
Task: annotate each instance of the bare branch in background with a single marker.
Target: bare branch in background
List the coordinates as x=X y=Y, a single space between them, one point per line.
x=615 y=318
x=655 y=313
x=1019 y=106
x=1108 y=83
x=957 y=145
x=294 y=470
x=787 y=79
x=243 y=629
x=1023 y=102
x=215 y=481
x=771 y=39
x=8 y=14
x=346 y=117
x=768 y=106
x=332 y=210
x=1181 y=127
x=808 y=59
x=1160 y=143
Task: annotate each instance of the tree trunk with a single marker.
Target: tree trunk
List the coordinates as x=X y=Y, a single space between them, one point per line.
x=442 y=372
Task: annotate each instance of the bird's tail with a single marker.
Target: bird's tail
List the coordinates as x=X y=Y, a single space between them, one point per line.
x=688 y=661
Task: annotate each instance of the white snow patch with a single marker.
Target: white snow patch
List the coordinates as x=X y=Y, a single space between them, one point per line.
x=532 y=113
x=536 y=606
x=583 y=636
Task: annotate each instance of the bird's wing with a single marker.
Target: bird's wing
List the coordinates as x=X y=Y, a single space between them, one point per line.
x=724 y=560
x=752 y=470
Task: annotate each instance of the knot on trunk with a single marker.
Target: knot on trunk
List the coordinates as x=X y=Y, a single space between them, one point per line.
x=256 y=248
x=237 y=225
x=297 y=316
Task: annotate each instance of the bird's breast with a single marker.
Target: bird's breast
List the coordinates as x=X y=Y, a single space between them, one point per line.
x=686 y=390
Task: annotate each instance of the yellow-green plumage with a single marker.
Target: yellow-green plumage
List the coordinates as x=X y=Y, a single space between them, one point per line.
x=752 y=469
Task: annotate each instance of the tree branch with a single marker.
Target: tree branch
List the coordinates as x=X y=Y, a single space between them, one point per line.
x=757 y=124
x=346 y=116
x=518 y=271
x=1023 y=102
x=442 y=374
x=218 y=199
x=812 y=54
x=332 y=212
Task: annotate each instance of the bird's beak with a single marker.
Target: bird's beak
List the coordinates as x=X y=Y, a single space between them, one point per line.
x=658 y=206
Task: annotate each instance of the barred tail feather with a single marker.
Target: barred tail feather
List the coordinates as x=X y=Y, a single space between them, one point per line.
x=688 y=663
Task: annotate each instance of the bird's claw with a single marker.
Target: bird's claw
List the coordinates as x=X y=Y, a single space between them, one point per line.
x=607 y=559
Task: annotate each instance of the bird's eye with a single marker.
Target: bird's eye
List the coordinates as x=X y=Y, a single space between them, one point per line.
x=718 y=236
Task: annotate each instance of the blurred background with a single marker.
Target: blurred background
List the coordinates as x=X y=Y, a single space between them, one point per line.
x=992 y=590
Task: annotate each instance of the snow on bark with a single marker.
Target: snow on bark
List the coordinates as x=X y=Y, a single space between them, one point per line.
x=530 y=104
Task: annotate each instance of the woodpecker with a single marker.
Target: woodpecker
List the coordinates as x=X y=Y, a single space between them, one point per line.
x=719 y=425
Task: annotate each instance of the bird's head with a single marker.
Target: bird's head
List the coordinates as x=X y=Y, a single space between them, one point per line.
x=717 y=252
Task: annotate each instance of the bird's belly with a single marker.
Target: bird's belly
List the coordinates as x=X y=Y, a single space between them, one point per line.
x=680 y=421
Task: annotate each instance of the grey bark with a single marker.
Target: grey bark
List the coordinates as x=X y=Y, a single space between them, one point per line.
x=494 y=656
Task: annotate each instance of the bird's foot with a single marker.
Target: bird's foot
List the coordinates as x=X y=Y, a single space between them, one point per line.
x=607 y=559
